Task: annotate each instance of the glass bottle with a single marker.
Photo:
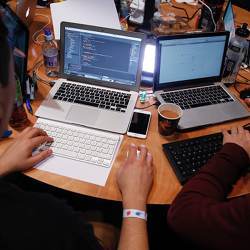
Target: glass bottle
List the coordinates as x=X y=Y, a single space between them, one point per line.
x=235 y=54
x=50 y=54
x=19 y=117
x=124 y=14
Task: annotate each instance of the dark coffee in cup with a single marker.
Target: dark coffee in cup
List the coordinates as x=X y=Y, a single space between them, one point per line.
x=169 y=115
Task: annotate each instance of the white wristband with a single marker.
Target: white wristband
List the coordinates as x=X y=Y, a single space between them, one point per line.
x=134 y=213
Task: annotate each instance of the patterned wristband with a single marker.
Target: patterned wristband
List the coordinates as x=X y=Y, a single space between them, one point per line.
x=134 y=213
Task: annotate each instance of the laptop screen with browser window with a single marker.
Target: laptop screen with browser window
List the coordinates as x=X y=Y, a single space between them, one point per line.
x=191 y=58
x=101 y=56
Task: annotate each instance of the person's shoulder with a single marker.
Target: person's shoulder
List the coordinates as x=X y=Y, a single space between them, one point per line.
x=43 y=208
x=42 y=214
x=14 y=197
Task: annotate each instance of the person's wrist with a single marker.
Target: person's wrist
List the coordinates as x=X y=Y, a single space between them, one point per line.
x=134 y=213
x=134 y=203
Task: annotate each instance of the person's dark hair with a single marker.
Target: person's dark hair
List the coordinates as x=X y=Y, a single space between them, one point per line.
x=4 y=54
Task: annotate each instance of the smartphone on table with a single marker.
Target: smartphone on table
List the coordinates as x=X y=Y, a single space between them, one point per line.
x=139 y=124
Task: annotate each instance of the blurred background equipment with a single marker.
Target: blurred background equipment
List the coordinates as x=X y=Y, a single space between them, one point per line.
x=18 y=38
x=25 y=9
x=210 y=14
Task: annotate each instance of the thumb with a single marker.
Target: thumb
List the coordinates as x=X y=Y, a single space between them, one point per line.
x=33 y=160
x=225 y=133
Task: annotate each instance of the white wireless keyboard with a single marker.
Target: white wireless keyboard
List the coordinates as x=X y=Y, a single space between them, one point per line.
x=80 y=143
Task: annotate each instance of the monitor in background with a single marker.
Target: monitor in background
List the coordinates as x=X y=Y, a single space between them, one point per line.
x=228 y=19
x=18 y=38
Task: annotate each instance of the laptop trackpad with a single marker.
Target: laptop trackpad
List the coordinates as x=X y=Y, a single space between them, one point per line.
x=82 y=115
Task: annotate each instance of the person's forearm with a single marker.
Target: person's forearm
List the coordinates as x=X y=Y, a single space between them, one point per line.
x=222 y=171
x=134 y=232
x=201 y=206
x=213 y=182
x=216 y=178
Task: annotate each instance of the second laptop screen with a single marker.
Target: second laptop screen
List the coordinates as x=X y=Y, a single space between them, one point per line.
x=101 y=56
x=190 y=58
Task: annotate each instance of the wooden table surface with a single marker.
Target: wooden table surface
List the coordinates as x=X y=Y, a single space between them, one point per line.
x=166 y=186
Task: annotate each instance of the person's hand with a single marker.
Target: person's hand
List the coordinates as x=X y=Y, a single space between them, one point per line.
x=135 y=177
x=238 y=136
x=18 y=156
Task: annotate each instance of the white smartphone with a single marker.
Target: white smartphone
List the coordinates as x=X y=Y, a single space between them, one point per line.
x=139 y=124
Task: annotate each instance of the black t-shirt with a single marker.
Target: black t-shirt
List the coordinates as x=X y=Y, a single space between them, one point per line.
x=31 y=220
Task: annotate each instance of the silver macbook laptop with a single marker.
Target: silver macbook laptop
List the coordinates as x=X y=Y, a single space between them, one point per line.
x=188 y=73
x=100 y=73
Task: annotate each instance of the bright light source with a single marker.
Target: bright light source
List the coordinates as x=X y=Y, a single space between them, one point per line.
x=27 y=12
x=149 y=59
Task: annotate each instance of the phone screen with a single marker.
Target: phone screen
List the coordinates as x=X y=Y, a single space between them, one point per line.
x=139 y=123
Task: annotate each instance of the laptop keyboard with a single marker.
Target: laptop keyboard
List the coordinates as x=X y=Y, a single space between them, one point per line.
x=91 y=96
x=80 y=143
x=198 y=97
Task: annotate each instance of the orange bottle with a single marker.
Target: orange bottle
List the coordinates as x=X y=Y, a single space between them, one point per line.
x=19 y=117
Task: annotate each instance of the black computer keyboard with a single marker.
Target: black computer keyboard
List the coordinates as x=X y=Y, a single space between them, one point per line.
x=91 y=96
x=188 y=156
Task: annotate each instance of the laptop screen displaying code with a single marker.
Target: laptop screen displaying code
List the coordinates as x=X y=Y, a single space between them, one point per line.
x=101 y=56
x=190 y=58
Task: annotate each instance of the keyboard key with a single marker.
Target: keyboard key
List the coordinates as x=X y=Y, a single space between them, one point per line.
x=86 y=103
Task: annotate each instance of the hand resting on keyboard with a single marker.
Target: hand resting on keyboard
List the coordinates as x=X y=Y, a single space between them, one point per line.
x=186 y=157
